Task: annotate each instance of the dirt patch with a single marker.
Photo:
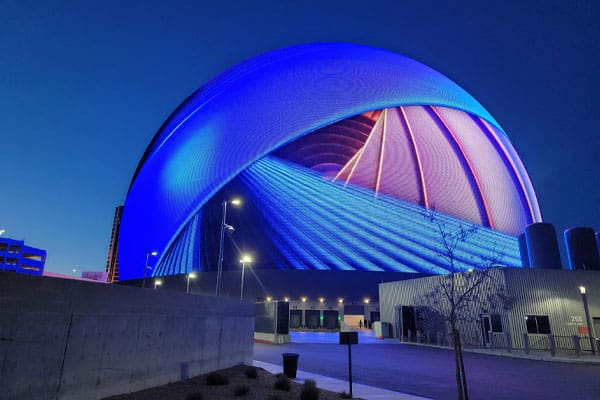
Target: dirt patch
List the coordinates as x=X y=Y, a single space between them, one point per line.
x=259 y=388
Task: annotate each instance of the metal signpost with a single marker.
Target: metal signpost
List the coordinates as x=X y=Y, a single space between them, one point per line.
x=349 y=338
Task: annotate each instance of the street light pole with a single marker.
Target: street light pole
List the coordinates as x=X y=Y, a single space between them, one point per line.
x=191 y=275
x=146 y=266
x=587 y=317
x=235 y=202
x=242 y=285
x=245 y=259
x=221 y=245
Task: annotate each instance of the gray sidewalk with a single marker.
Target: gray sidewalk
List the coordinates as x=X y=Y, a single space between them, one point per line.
x=519 y=353
x=338 y=386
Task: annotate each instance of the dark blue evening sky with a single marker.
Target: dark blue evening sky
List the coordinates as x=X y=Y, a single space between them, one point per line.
x=84 y=85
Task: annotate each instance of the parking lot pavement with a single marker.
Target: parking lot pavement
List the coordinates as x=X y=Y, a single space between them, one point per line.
x=429 y=372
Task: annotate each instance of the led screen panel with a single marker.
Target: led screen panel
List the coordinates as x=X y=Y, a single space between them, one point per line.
x=376 y=128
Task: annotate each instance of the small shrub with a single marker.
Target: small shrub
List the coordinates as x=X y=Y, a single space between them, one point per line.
x=251 y=372
x=309 y=390
x=241 y=390
x=310 y=383
x=216 y=379
x=274 y=397
x=282 y=382
x=194 y=396
x=345 y=395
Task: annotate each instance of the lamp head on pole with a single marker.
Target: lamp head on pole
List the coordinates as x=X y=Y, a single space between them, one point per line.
x=229 y=229
x=192 y=275
x=246 y=258
x=582 y=289
x=236 y=201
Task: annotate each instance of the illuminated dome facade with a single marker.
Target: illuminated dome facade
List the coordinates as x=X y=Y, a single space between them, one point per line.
x=338 y=151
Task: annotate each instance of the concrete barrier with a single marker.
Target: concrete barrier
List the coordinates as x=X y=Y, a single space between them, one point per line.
x=63 y=339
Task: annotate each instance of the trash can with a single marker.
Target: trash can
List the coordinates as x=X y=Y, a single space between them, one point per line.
x=290 y=364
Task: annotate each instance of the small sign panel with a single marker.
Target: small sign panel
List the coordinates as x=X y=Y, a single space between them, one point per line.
x=348 y=337
x=575 y=320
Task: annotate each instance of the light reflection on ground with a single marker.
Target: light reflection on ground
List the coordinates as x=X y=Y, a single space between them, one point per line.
x=365 y=336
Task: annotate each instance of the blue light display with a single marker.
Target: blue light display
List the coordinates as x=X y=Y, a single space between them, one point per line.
x=315 y=224
x=332 y=227
x=224 y=133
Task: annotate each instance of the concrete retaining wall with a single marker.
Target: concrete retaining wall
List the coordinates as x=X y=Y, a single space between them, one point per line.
x=63 y=339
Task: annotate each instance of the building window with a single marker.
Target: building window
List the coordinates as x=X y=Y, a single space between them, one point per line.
x=32 y=257
x=29 y=268
x=537 y=324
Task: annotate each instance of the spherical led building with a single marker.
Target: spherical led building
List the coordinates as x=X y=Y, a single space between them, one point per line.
x=340 y=153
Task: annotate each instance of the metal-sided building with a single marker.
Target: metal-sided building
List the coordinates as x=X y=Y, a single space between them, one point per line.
x=540 y=302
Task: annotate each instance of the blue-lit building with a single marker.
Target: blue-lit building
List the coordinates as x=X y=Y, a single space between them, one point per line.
x=339 y=152
x=16 y=256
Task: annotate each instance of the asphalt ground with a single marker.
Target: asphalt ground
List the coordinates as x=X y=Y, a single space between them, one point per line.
x=429 y=372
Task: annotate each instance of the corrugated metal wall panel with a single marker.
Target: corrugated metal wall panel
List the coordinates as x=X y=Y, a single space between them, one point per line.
x=554 y=293
x=410 y=292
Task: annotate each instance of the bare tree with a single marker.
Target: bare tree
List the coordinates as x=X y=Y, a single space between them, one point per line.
x=459 y=296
